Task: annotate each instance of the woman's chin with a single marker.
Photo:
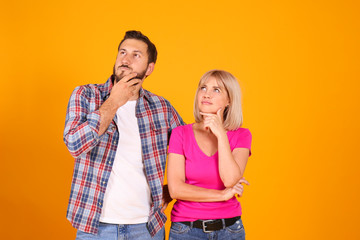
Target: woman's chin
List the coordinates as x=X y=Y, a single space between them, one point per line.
x=208 y=111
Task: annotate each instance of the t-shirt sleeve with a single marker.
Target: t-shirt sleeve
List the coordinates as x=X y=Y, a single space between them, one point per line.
x=176 y=141
x=242 y=139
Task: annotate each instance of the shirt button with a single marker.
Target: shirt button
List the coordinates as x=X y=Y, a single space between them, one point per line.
x=109 y=162
x=103 y=182
x=100 y=204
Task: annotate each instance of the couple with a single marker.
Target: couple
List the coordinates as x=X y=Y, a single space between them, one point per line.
x=118 y=134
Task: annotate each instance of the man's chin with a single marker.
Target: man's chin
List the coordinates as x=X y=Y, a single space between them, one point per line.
x=120 y=76
x=140 y=76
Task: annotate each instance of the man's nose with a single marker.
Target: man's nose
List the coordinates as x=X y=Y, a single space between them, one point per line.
x=126 y=60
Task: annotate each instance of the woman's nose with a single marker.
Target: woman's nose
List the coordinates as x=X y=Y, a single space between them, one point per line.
x=206 y=94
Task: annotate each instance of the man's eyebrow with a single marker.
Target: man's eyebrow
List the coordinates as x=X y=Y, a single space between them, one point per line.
x=137 y=51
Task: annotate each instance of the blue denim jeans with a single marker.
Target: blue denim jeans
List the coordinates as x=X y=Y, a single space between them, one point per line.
x=180 y=231
x=121 y=232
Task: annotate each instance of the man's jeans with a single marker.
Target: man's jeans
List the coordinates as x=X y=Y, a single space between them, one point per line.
x=179 y=231
x=121 y=232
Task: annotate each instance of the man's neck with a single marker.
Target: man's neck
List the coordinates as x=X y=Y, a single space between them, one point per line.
x=134 y=98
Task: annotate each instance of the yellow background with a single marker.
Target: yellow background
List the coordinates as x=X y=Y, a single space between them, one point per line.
x=297 y=63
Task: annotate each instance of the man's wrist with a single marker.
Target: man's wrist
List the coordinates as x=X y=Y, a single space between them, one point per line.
x=113 y=103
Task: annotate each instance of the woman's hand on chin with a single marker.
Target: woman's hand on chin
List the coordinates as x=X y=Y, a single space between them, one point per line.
x=214 y=122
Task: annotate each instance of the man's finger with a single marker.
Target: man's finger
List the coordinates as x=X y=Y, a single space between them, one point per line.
x=134 y=81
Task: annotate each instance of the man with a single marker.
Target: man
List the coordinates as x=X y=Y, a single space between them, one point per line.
x=118 y=134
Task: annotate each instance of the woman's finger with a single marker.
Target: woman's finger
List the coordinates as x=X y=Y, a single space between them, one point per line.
x=206 y=114
x=243 y=180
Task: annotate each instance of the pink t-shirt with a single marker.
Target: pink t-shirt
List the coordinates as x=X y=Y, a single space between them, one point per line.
x=203 y=171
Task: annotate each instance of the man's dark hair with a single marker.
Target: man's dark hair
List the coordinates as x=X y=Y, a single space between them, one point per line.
x=151 y=49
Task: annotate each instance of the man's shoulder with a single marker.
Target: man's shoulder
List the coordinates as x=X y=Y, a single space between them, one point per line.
x=156 y=98
x=92 y=88
x=161 y=105
x=87 y=90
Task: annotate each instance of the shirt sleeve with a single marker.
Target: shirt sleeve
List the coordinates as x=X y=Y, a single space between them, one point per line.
x=81 y=126
x=175 y=118
x=242 y=139
x=176 y=141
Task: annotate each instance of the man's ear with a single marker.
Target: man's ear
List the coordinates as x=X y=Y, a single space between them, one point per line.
x=150 y=69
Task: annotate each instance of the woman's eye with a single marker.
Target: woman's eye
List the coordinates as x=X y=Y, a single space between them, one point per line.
x=203 y=88
x=217 y=90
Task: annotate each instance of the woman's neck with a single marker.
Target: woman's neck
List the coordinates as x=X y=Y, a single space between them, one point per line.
x=199 y=126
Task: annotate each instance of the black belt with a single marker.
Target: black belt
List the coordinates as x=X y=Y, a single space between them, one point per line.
x=212 y=225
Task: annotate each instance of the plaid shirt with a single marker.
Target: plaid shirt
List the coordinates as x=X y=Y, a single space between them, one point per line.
x=94 y=155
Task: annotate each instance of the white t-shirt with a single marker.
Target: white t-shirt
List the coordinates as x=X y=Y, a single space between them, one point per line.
x=127 y=198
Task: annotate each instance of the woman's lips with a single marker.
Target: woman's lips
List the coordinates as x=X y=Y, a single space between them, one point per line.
x=206 y=102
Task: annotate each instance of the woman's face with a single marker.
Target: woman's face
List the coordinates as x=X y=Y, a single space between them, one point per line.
x=211 y=97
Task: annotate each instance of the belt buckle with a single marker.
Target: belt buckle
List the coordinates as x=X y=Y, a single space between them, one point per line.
x=204 y=226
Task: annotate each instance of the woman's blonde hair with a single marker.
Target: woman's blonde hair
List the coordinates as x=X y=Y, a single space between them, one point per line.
x=232 y=114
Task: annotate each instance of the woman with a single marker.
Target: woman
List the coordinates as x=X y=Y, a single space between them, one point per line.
x=206 y=163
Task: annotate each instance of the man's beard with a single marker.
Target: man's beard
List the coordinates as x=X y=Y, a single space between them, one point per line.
x=117 y=78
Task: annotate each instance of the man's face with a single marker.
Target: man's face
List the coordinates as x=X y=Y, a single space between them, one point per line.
x=132 y=57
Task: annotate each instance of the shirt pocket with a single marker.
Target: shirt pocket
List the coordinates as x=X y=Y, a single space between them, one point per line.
x=161 y=130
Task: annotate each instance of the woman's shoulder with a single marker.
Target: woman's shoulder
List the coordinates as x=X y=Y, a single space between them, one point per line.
x=183 y=128
x=240 y=137
x=240 y=131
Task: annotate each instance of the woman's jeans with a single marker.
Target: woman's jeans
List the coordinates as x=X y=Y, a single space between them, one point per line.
x=180 y=231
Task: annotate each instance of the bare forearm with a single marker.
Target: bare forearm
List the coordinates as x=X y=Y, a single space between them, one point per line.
x=121 y=92
x=179 y=189
x=107 y=113
x=188 y=192
x=229 y=170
